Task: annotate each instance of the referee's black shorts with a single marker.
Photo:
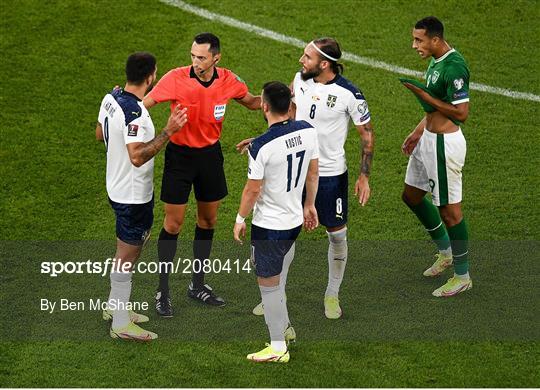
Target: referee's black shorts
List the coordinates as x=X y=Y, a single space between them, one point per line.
x=200 y=167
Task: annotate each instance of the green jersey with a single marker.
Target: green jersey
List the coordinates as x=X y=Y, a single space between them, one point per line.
x=447 y=78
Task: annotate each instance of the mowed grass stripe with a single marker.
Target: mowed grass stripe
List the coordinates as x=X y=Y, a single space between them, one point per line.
x=201 y=12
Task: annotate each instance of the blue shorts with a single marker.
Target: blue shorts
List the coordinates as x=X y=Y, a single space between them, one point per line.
x=133 y=221
x=269 y=247
x=332 y=200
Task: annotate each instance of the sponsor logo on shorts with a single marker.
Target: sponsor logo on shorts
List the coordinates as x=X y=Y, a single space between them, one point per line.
x=432 y=184
x=145 y=236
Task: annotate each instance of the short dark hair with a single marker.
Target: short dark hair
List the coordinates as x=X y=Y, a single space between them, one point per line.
x=278 y=97
x=139 y=66
x=432 y=25
x=331 y=47
x=210 y=38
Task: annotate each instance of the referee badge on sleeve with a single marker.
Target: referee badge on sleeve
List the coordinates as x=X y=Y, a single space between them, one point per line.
x=219 y=111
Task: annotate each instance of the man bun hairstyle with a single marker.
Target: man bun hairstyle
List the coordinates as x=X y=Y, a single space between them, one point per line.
x=330 y=47
x=432 y=25
x=139 y=66
x=206 y=37
x=278 y=97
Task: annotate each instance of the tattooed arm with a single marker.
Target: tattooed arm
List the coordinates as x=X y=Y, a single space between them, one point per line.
x=142 y=152
x=361 y=187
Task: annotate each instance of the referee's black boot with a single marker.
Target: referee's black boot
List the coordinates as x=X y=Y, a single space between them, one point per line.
x=205 y=295
x=163 y=304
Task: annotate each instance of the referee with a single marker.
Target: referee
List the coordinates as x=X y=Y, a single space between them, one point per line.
x=193 y=158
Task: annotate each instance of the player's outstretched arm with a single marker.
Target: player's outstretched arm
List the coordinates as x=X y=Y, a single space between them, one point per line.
x=149 y=102
x=361 y=187
x=142 y=152
x=242 y=146
x=311 y=220
x=250 y=101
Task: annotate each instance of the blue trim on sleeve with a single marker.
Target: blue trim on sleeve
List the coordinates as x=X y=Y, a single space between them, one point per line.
x=129 y=104
x=275 y=131
x=344 y=83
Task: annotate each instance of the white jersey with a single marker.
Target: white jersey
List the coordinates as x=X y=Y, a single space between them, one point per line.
x=281 y=158
x=328 y=108
x=125 y=120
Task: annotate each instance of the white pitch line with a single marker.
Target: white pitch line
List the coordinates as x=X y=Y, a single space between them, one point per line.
x=346 y=55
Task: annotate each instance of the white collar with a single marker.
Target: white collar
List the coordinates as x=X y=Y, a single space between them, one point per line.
x=445 y=55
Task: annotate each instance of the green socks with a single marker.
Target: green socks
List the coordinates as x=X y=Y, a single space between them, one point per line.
x=428 y=214
x=459 y=238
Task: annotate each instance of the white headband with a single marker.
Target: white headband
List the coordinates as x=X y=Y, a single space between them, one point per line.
x=322 y=52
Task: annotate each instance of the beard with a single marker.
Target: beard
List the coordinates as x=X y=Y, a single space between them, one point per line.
x=310 y=73
x=149 y=88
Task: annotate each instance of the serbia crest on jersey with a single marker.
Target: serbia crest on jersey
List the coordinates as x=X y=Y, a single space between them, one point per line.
x=125 y=120
x=281 y=158
x=329 y=108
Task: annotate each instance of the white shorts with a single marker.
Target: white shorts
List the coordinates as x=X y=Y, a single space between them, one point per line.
x=435 y=166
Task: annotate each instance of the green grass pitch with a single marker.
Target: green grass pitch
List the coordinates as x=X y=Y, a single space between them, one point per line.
x=59 y=59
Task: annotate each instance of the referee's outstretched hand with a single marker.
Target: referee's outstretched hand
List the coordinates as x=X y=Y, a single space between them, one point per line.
x=177 y=120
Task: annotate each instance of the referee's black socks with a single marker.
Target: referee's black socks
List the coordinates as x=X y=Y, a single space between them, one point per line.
x=166 y=250
x=202 y=245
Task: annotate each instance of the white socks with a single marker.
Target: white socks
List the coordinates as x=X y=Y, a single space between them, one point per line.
x=274 y=315
x=337 y=259
x=287 y=260
x=119 y=297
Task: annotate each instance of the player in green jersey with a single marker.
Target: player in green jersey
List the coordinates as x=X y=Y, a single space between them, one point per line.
x=437 y=151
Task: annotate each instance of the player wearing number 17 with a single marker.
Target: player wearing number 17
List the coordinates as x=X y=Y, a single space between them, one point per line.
x=281 y=161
